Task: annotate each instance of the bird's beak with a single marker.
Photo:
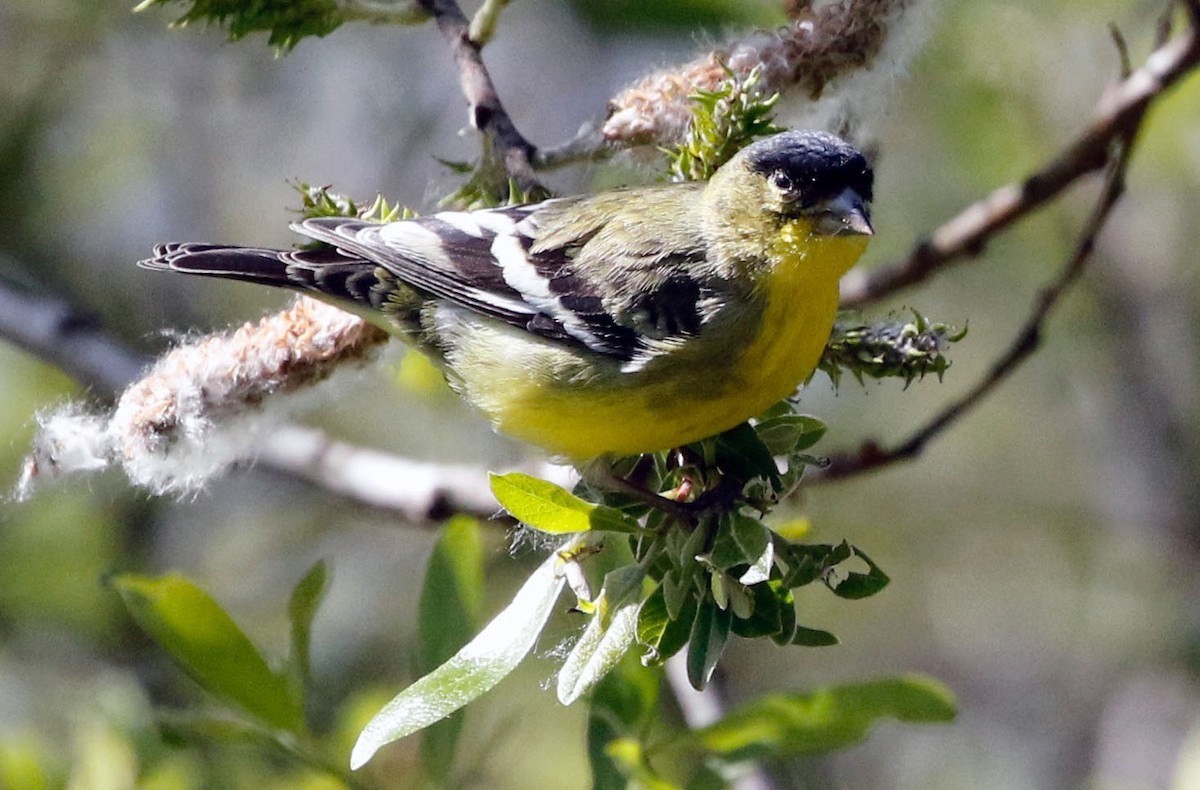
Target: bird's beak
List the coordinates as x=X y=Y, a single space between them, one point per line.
x=845 y=215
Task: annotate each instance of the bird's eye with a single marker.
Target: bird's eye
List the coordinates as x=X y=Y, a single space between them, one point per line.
x=783 y=182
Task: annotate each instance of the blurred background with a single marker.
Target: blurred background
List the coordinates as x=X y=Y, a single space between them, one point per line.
x=1043 y=553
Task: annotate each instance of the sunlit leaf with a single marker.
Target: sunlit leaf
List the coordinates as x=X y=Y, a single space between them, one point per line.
x=551 y=508
x=477 y=668
x=205 y=641
x=598 y=650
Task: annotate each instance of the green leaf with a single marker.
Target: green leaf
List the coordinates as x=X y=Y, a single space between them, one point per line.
x=302 y=608
x=741 y=454
x=288 y=22
x=452 y=593
x=770 y=601
x=598 y=650
x=675 y=593
x=813 y=637
x=477 y=668
x=787 y=612
x=710 y=630
x=664 y=635
x=783 y=725
x=622 y=585
x=550 y=508
x=790 y=433
x=741 y=540
x=205 y=641
x=448 y=614
x=856 y=584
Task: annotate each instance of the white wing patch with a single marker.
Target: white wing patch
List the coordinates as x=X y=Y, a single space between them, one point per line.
x=413 y=241
x=462 y=221
x=522 y=274
x=410 y=239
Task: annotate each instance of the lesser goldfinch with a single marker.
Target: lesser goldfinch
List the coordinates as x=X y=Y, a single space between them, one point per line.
x=629 y=321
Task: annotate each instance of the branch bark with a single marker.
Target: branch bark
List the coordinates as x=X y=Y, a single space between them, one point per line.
x=1109 y=140
x=486 y=112
x=1119 y=111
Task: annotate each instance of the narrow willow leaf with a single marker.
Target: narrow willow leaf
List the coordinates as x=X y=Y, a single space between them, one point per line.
x=451 y=594
x=710 y=630
x=205 y=641
x=660 y=632
x=782 y=725
x=675 y=593
x=477 y=668
x=653 y=617
x=302 y=608
x=597 y=651
x=550 y=508
x=448 y=614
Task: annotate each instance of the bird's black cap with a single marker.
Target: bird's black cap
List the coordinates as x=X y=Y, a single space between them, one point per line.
x=819 y=163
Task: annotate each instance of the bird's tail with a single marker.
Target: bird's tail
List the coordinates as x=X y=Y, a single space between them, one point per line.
x=325 y=270
x=251 y=264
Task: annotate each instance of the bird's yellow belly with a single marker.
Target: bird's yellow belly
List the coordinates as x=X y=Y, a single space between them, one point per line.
x=563 y=404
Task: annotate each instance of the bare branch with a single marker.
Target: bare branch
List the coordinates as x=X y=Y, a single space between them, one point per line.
x=420 y=491
x=486 y=112
x=1109 y=140
x=870 y=456
x=1119 y=111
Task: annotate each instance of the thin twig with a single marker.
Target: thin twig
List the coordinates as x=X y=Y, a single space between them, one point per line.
x=420 y=491
x=1122 y=111
x=487 y=114
x=1119 y=109
x=870 y=456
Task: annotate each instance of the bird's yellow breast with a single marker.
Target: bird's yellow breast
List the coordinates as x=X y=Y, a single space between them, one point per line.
x=562 y=402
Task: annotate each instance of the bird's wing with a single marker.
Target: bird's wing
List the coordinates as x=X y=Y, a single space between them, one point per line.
x=556 y=269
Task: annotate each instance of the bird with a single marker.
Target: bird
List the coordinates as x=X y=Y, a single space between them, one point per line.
x=630 y=321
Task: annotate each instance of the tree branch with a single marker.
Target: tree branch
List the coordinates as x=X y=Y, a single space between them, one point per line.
x=53 y=330
x=870 y=456
x=1119 y=110
x=1110 y=139
x=486 y=112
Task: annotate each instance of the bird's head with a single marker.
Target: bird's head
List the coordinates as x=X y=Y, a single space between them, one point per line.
x=807 y=175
